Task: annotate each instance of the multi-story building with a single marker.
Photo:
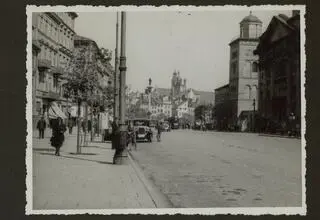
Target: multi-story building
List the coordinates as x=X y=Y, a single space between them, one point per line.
x=243 y=76
x=279 y=78
x=182 y=109
x=53 y=33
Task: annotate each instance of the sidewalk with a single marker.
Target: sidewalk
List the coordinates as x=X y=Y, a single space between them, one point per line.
x=88 y=180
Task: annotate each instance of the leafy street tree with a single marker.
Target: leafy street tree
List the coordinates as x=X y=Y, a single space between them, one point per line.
x=83 y=84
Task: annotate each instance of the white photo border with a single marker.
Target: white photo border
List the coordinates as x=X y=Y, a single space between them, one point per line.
x=186 y=211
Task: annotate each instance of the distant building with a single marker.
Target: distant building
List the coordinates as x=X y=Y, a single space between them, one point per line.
x=182 y=109
x=178 y=85
x=243 y=76
x=160 y=105
x=202 y=97
x=279 y=59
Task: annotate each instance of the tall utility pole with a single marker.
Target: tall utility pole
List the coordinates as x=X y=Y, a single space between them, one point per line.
x=149 y=89
x=121 y=155
x=254 y=116
x=116 y=75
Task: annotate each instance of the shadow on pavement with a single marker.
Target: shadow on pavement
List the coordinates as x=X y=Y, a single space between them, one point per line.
x=44 y=149
x=77 y=158
x=97 y=147
x=100 y=142
x=83 y=153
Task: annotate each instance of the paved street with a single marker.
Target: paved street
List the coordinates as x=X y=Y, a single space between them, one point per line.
x=217 y=169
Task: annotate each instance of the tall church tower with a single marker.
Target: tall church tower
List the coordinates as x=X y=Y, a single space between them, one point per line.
x=250 y=27
x=243 y=71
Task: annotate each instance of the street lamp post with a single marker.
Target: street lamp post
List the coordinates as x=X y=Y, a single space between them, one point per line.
x=254 y=108
x=149 y=88
x=121 y=155
x=254 y=116
x=116 y=83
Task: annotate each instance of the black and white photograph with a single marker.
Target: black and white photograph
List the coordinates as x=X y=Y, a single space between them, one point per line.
x=165 y=110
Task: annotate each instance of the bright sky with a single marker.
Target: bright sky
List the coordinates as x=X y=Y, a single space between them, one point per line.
x=157 y=43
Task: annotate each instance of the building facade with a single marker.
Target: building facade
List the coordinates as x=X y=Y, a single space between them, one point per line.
x=279 y=60
x=54 y=34
x=243 y=75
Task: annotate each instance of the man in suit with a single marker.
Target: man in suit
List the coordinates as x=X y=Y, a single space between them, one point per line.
x=41 y=126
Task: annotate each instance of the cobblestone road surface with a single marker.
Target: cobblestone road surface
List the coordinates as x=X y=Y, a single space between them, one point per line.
x=216 y=169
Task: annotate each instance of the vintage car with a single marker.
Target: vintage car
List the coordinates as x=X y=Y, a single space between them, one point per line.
x=143 y=130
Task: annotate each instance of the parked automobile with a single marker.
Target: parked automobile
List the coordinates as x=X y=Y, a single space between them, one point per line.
x=143 y=130
x=144 y=133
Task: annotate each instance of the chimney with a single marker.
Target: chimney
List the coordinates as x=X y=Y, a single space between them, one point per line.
x=295 y=12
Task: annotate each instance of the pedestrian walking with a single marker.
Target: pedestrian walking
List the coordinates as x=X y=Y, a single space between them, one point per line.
x=132 y=137
x=70 y=125
x=115 y=133
x=41 y=126
x=292 y=126
x=57 y=138
x=159 y=130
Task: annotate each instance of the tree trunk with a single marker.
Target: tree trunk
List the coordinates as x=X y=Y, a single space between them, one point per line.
x=91 y=122
x=86 y=124
x=78 y=132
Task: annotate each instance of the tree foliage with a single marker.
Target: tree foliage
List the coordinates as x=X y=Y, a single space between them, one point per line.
x=83 y=79
x=82 y=76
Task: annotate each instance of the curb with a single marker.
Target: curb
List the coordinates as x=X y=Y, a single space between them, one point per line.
x=279 y=136
x=159 y=200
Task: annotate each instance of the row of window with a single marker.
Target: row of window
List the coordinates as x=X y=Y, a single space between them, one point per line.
x=53 y=84
x=56 y=33
x=56 y=58
x=66 y=18
x=42 y=78
x=253 y=66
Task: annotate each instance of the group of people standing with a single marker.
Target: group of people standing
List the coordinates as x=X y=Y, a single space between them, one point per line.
x=59 y=128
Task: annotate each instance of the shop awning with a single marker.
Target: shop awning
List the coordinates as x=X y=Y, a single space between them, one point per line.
x=55 y=111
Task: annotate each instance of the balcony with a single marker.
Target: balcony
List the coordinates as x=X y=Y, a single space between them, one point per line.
x=65 y=50
x=57 y=71
x=51 y=96
x=36 y=45
x=44 y=64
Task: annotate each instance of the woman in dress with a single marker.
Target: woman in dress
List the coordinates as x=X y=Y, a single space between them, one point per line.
x=57 y=138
